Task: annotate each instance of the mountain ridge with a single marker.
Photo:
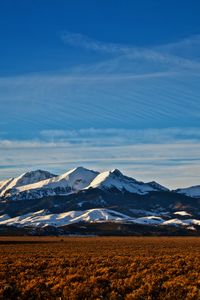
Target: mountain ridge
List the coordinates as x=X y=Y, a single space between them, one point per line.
x=73 y=180
x=83 y=197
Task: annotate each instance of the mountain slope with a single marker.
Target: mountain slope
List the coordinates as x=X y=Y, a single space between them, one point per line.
x=4 y=184
x=193 y=191
x=115 y=179
x=157 y=186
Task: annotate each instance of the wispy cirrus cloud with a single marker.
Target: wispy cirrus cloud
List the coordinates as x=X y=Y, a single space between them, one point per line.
x=186 y=48
x=171 y=53
x=114 y=136
x=83 y=41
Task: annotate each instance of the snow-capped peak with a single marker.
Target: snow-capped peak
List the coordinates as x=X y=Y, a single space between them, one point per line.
x=77 y=178
x=115 y=179
x=69 y=182
x=78 y=173
x=25 y=179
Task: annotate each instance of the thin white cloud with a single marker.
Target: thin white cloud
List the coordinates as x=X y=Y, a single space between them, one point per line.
x=155 y=54
x=80 y=40
x=67 y=78
x=187 y=47
x=112 y=136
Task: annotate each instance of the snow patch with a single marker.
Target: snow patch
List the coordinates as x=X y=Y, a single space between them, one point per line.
x=150 y=220
x=177 y=222
x=182 y=213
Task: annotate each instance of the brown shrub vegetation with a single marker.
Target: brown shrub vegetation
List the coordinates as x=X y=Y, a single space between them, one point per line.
x=100 y=268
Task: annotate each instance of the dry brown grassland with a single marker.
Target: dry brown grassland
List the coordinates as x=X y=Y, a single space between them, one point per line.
x=100 y=268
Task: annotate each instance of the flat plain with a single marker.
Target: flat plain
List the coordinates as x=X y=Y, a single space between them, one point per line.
x=100 y=268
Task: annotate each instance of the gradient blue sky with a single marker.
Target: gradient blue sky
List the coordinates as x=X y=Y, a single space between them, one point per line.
x=101 y=84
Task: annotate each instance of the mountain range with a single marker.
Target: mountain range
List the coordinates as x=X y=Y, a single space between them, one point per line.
x=83 y=201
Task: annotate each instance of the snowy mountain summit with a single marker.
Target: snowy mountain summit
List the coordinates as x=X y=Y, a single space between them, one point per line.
x=38 y=184
x=83 y=200
x=115 y=179
x=10 y=185
x=50 y=185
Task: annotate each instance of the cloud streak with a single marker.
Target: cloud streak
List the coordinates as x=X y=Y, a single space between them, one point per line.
x=186 y=48
x=113 y=136
x=170 y=54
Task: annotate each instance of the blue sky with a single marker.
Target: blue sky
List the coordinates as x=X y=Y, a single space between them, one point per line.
x=101 y=84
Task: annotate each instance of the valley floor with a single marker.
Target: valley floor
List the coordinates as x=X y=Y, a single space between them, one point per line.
x=100 y=268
